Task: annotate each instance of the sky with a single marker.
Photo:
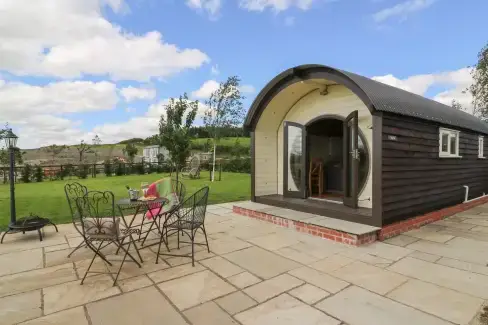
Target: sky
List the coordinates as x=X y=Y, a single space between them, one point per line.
x=73 y=69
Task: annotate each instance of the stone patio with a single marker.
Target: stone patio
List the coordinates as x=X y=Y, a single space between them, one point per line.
x=256 y=274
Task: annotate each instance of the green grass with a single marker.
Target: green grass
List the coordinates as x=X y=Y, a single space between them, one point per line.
x=47 y=199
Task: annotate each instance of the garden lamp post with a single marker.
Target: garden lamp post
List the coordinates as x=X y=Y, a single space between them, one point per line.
x=11 y=142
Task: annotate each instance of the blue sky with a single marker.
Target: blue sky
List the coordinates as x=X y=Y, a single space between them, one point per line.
x=70 y=69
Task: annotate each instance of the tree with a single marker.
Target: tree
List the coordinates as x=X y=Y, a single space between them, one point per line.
x=54 y=150
x=479 y=88
x=224 y=110
x=130 y=151
x=174 y=129
x=96 y=141
x=83 y=148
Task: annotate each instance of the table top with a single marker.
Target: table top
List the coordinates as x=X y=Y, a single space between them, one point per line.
x=126 y=202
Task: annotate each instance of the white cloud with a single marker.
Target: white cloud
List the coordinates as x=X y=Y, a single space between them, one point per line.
x=141 y=126
x=212 y=7
x=402 y=10
x=71 y=38
x=210 y=86
x=215 y=70
x=131 y=93
x=276 y=5
x=206 y=89
x=455 y=81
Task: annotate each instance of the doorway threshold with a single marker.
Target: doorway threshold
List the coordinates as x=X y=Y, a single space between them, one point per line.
x=325 y=200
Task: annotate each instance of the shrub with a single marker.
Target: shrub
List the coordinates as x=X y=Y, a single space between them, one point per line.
x=119 y=168
x=237 y=165
x=38 y=174
x=68 y=170
x=26 y=173
x=139 y=168
x=83 y=171
x=107 y=168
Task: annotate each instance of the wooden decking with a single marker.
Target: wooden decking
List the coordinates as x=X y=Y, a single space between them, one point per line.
x=320 y=207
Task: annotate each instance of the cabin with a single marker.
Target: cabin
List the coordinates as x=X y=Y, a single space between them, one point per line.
x=337 y=144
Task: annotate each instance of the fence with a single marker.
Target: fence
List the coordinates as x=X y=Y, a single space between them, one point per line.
x=39 y=173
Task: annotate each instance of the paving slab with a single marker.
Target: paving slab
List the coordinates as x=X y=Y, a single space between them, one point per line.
x=19 y=242
x=370 y=277
x=458 y=253
x=21 y=307
x=222 y=267
x=24 y=261
x=175 y=272
x=331 y=263
x=424 y=256
x=401 y=240
x=274 y=241
x=319 y=279
x=366 y=257
x=74 y=316
x=195 y=289
x=144 y=306
x=451 y=224
x=227 y=245
x=444 y=303
x=448 y=277
x=382 y=250
x=461 y=265
x=235 y=302
x=36 y=279
x=320 y=248
x=285 y=310
x=272 y=287
x=309 y=294
x=243 y=280
x=357 y=306
x=72 y=294
x=209 y=314
x=134 y=283
x=261 y=262
x=429 y=234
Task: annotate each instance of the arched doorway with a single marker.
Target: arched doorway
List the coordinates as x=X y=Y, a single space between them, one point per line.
x=325 y=159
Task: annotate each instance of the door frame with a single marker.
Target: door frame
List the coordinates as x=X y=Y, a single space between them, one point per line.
x=302 y=193
x=350 y=161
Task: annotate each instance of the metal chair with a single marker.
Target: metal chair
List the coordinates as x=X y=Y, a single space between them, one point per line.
x=187 y=219
x=100 y=225
x=192 y=170
x=73 y=191
x=178 y=189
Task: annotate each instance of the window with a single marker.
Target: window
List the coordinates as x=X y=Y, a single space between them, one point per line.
x=481 y=153
x=448 y=143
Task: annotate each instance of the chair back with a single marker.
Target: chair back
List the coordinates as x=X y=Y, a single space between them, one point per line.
x=195 y=162
x=99 y=209
x=74 y=191
x=315 y=166
x=194 y=208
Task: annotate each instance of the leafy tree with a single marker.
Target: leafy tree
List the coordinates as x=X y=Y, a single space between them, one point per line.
x=224 y=110
x=107 y=167
x=83 y=148
x=54 y=150
x=457 y=105
x=174 y=128
x=479 y=88
x=130 y=151
x=38 y=173
x=26 y=173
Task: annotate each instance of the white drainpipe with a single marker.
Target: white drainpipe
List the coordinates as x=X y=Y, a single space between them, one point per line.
x=466 y=195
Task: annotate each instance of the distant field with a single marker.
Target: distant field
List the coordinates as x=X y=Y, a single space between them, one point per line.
x=104 y=151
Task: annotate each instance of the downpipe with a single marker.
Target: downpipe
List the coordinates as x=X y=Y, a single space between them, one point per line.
x=467 y=192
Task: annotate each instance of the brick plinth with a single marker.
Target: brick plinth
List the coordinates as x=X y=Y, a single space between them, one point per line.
x=314 y=230
x=416 y=222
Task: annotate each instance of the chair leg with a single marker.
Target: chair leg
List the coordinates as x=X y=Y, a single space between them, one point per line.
x=159 y=248
x=192 y=239
x=206 y=240
x=91 y=263
x=178 y=238
x=76 y=248
x=135 y=247
x=147 y=234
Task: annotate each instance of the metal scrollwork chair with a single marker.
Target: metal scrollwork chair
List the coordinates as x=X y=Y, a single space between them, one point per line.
x=74 y=191
x=186 y=219
x=192 y=170
x=100 y=226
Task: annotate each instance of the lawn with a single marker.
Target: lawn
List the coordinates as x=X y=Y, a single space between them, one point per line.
x=48 y=199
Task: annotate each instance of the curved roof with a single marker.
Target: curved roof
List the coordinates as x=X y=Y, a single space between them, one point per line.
x=375 y=95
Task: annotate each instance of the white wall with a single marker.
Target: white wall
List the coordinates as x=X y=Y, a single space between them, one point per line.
x=269 y=132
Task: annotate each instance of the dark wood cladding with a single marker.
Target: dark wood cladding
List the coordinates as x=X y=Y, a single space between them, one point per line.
x=415 y=180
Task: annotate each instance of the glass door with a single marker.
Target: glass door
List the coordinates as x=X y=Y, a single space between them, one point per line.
x=350 y=160
x=294 y=160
